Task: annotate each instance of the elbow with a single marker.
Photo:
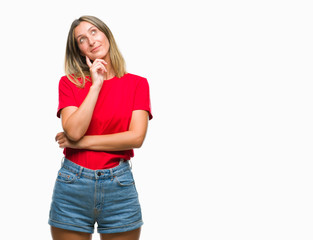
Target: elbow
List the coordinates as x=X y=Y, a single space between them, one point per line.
x=73 y=136
x=138 y=141
x=137 y=145
x=73 y=133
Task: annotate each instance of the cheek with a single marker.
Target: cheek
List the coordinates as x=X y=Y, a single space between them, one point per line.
x=105 y=41
x=107 y=46
x=83 y=50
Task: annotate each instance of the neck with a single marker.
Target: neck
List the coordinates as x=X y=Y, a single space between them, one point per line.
x=110 y=70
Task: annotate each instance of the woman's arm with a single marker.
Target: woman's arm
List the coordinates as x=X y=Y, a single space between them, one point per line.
x=76 y=120
x=133 y=138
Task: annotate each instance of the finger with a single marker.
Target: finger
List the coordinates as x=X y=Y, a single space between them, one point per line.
x=99 y=66
x=60 y=141
x=88 y=62
x=105 y=67
x=58 y=136
x=62 y=144
x=103 y=62
x=100 y=60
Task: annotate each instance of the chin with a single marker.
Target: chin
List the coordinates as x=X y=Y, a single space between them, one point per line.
x=98 y=56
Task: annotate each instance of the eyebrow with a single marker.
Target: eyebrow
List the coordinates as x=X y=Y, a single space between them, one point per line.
x=83 y=34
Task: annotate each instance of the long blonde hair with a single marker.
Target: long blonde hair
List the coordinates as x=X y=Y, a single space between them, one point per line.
x=75 y=64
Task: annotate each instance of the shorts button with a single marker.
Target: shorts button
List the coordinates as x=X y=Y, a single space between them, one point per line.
x=99 y=174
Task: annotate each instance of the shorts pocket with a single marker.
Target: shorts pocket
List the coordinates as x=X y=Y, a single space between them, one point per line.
x=66 y=176
x=125 y=179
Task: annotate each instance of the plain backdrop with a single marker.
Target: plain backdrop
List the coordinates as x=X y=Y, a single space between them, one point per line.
x=228 y=154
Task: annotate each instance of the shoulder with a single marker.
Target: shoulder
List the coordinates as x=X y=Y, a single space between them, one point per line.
x=135 y=78
x=70 y=83
x=138 y=83
x=65 y=81
x=133 y=75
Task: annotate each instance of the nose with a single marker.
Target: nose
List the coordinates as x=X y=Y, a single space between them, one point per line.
x=91 y=41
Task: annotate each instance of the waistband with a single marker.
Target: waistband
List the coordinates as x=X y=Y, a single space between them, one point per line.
x=96 y=174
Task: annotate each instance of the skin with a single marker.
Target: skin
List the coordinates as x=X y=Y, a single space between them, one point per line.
x=62 y=234
x=94 y=45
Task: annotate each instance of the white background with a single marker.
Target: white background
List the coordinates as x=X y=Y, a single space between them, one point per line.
x=229 y=151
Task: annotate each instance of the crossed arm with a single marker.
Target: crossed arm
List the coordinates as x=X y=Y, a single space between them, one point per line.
x=75 y=122
x=133 y=138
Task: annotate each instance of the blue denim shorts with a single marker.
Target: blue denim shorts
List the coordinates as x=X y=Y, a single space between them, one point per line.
x=83 y=197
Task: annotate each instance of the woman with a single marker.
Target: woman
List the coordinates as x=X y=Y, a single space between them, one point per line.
x=104 y=113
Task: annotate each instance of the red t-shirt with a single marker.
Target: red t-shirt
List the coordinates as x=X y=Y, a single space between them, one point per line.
x=117 y=99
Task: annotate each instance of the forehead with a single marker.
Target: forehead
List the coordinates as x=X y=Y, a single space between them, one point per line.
x=83 y=28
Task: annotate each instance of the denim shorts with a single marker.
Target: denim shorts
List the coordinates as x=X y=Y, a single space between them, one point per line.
x=83 y=197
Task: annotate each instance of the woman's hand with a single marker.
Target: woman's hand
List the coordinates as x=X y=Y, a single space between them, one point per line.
x=98 y=71
x=64 y=141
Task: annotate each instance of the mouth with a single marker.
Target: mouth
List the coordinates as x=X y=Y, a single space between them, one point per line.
x=95 y=49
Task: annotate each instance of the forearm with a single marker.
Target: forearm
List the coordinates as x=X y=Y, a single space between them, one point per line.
x=133 y=138
x=77 y=123
x=112 y=142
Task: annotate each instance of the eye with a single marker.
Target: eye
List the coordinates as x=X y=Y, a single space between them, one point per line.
x=82 y=40
x=93 y=32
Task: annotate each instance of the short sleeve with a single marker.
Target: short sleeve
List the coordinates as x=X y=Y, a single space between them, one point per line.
x=142 y=97
x=66 y=95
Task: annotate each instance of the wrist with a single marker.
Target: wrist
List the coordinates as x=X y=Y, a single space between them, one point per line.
x=95 y=87
x=82 y=143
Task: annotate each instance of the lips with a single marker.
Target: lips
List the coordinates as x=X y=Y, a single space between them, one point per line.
x=95 y=49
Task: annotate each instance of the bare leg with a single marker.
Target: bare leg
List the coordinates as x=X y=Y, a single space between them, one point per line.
x=131 y=235
x=62 y=234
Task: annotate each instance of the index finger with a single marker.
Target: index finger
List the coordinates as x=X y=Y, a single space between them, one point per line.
x=88 y=62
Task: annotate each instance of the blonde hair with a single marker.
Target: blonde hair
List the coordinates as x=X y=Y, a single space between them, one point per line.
x=75 y=64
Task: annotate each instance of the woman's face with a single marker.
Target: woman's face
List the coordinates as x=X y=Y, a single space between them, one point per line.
x=91 y=41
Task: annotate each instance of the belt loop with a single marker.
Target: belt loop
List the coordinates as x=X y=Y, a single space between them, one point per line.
x=130 y=164
x=62 y=162
x=80 y=172
x=111 y=174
